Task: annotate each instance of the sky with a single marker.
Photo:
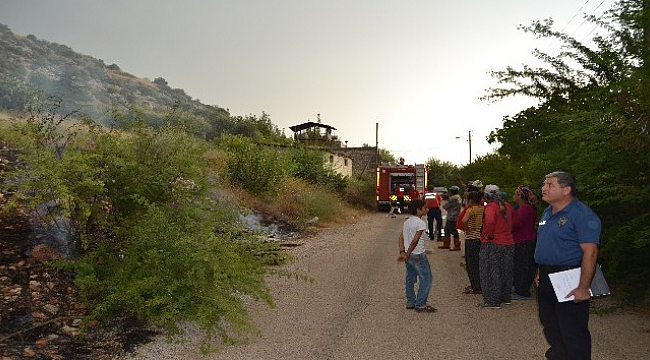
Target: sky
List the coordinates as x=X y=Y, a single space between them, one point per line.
x=415 y=68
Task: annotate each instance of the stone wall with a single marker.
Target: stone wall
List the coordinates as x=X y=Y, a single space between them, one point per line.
x=363 y=159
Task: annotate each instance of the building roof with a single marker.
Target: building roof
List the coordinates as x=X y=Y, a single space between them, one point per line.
x=308 y=125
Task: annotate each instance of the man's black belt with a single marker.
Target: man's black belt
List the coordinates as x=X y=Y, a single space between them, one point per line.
x=553 y=269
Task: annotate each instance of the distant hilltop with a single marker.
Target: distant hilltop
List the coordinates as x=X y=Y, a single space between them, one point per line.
x=39 y=73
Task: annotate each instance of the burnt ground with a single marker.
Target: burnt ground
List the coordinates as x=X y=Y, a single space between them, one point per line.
x=41 y=310
x=40 y=307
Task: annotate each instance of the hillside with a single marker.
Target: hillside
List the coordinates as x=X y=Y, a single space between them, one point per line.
x=35 y=73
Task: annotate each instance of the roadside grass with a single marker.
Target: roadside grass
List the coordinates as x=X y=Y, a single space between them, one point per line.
x=299 y=204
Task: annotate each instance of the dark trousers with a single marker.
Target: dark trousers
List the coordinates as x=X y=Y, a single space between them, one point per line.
x=566 y=324
x=400 y=204
x=435 y=214
x=495 y=263
x=450 y=229
x=472 y=250
x=525 y=267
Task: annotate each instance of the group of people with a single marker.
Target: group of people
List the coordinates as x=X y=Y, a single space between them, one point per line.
x=400 y=191
x=503 y=249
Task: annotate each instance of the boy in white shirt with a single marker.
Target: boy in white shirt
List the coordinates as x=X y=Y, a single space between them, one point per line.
x=411 y=246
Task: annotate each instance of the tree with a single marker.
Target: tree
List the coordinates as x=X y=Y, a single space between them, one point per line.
x=385 y=156
x=442 y=173
x=592 y=121
x=160 y=81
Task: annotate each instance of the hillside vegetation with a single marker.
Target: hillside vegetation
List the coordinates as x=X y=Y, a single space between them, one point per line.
x=146 y=211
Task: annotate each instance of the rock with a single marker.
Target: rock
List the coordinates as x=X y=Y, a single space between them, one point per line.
x=34 y=285
x=76 y=322
x=41 y=343
x=70 y=331
x=52 y=309
x=39 y=316
x=28 y=352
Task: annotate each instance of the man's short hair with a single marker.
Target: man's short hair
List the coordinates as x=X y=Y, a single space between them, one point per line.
x=565 y=179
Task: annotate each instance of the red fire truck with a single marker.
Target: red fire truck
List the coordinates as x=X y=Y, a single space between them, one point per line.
x=405 y=176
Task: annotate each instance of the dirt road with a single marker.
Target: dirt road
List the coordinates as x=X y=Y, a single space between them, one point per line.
x=354 y=309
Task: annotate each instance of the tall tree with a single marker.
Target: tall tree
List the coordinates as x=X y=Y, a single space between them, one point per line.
x=592 y=121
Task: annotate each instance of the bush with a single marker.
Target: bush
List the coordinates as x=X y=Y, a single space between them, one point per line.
x=300 y=203
x=361 y=192
x=161 y=247
x=253 y=167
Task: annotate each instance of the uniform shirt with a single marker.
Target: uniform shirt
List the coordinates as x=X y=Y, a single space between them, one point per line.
x=411 y=226
x=433 y=200
x=559 y=235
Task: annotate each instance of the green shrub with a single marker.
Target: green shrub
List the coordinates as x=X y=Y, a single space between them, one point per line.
x=163 y=248
x=175 y=266
x=361 y=192
x=255 y=168
x=310 y=166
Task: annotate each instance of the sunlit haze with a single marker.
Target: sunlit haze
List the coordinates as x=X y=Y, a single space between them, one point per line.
x=417 y=68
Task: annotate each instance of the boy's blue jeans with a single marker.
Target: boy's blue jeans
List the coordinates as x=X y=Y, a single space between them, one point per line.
x=417 y=267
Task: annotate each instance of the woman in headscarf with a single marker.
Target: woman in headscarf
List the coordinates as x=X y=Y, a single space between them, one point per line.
x=523 y=231
x=497 y=250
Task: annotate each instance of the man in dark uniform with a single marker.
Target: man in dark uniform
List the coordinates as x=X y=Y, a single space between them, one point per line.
x=567 y=238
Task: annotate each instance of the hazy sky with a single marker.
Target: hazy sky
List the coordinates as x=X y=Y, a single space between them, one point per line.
x=415 y=67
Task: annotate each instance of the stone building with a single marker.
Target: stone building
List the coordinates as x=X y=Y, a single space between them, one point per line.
x=356 y=161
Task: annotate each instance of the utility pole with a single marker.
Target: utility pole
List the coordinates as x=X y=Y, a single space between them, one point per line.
x=376 y=145
x=469 y=139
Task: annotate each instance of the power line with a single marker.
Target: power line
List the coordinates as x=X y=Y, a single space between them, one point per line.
x=574 y=15
x=556 y=42
x=586 y=19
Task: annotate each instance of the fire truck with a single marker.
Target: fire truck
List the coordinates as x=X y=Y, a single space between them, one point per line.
x=405 y=176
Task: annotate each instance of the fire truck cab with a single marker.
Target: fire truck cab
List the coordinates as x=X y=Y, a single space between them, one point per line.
x=408 y=177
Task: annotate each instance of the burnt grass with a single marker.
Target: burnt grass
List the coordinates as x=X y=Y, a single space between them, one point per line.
x=44 y=322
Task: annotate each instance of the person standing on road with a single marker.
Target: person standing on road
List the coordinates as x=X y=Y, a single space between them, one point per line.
x=414 y=193
x=411 y=251
x=567 y=237
x=433 y=201
x=523 y=231
x=452 y=206
x=472 y=221
x=399 y=193
x=497 y=250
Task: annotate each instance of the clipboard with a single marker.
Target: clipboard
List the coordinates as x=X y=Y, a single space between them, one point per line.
x=565 y=281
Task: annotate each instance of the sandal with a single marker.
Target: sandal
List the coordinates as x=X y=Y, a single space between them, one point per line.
x=469 y=290
x=428 y=309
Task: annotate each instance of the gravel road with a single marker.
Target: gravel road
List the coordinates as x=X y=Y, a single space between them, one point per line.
x=354 y=309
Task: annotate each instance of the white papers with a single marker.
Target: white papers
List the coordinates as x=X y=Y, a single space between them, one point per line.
x=564 y=282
